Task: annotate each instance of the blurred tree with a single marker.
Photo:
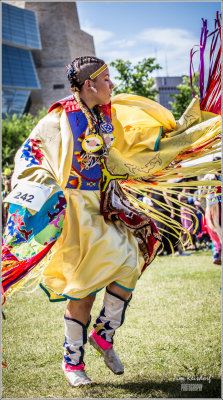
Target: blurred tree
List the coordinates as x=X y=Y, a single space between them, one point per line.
x=185 y=95
x=135 y=78
x=15 y=130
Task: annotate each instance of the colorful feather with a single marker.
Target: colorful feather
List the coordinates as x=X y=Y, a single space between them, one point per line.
x=210 y=94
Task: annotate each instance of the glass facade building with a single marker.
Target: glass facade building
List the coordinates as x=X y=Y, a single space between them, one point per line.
x=20 y=35
x=18 y=68
x=167 y=86
x=20 y=27
x=14 y=101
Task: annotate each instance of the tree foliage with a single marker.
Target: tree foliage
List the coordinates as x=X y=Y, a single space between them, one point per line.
x=135 y=79
x=184 y=97
x=15 y=130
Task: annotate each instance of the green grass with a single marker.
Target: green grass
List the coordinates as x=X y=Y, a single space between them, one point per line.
x=172 y=331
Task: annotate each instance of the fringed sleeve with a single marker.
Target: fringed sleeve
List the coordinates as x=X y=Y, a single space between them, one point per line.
x=44 y=158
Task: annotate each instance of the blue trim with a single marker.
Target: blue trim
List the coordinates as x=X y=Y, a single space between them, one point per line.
x=44 y=288
x=48 y=294
x=96 y=291
x=123 y=287
x=158 y=139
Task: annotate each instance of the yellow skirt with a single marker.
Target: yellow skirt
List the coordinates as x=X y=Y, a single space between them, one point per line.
x=91 y=252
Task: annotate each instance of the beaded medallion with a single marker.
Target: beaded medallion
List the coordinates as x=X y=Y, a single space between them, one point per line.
x=92 y=143
x=98 y=135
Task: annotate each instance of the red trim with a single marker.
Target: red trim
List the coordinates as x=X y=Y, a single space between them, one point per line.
x=70 y=368
x=104 y=344
x=69 y=105
x=107 y=110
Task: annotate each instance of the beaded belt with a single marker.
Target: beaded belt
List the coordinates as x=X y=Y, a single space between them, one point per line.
x=79 y=182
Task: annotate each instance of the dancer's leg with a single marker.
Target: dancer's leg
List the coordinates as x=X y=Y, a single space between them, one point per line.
x=80 y=309
x=76 y=319
x=124 y=294
x=111 y=317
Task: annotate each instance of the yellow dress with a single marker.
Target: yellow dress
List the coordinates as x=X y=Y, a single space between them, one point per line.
x=92 y=251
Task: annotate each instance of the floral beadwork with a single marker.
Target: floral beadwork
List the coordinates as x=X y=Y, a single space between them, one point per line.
x=98 y=135
x=31 y=152
x=92 y=143
x=109 y=139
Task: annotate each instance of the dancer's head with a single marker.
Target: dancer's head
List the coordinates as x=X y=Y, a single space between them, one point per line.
x=90 y=76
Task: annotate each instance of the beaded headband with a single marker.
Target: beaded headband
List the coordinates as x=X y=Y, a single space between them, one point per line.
x=99 y=71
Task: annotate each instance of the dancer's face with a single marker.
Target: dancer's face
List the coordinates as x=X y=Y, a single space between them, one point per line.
x=104 y=87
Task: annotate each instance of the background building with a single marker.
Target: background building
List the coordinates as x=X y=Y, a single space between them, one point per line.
x=39 y=38
x=20 y=36
x=49 y=36
x=166 y=86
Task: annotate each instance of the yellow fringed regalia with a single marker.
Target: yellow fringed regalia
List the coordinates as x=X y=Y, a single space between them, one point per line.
x=150 y=148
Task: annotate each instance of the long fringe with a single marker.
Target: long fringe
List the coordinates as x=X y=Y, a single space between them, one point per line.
x=169 y=189
x=14 y=271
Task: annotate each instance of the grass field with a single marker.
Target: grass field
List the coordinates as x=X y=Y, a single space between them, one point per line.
x=171 y=338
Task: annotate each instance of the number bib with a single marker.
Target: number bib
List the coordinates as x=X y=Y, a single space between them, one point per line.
x=29 y=194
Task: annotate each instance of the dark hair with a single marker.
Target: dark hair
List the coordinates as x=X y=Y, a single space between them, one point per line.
x=83 y=67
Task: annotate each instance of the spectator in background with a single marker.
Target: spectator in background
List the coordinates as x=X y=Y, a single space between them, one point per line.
x=213 y=216
x=213 y=213
x=155 y=200
x=188 y=217
x=202 y=236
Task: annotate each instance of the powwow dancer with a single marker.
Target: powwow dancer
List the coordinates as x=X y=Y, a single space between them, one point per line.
x=90 y=233
x=213 y=218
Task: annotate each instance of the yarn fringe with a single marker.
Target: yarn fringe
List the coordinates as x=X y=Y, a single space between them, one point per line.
x=16 y=273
